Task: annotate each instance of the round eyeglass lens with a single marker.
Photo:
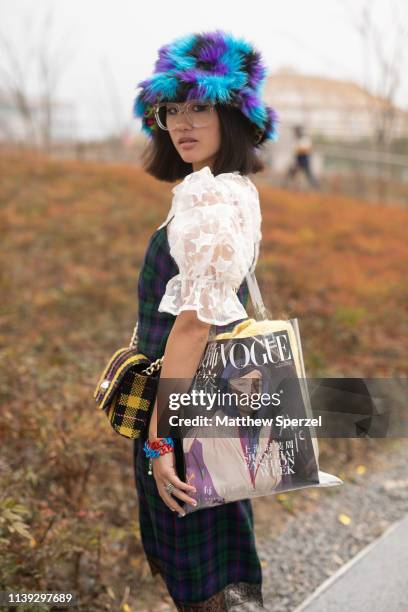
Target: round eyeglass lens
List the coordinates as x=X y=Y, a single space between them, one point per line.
x=198 y=114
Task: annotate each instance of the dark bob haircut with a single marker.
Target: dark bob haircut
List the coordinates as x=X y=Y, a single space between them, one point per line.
x=237 y=150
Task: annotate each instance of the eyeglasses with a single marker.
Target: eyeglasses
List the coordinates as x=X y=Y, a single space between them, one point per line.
x=198 y=114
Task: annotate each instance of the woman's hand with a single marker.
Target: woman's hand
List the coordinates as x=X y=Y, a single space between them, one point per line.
x=164 y=472
x=184 y=348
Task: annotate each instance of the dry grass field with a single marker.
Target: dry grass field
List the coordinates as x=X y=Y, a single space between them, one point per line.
x=73 y=238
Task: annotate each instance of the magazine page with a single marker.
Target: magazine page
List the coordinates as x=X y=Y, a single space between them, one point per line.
x=249 y=391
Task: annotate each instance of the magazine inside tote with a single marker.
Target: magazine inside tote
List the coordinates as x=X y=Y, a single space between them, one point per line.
x=254 y=460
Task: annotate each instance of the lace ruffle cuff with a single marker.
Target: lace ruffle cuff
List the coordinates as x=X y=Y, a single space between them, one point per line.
x=215 y=301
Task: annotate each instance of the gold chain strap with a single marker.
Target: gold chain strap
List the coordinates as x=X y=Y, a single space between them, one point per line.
x=155 y=365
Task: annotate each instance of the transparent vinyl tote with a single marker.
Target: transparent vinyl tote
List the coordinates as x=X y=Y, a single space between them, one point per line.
x=250 y=377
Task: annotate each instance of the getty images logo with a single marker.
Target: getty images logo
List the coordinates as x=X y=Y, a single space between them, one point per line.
x=274 y=348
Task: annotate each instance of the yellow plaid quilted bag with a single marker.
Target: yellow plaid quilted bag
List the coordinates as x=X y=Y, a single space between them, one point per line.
x=127 y=388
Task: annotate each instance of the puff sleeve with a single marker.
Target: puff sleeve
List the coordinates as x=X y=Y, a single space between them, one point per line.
x=212 y=238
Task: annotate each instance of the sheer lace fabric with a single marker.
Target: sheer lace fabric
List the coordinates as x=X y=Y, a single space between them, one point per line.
x=235 y=594
x=214 y=238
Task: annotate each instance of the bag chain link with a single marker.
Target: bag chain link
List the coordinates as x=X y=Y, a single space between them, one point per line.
x=155 y=365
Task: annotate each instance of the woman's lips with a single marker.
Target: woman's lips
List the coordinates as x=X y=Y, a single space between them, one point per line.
x=188 y=144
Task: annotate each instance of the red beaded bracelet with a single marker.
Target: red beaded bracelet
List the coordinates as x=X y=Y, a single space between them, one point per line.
x=156 y=443
x=159 y=446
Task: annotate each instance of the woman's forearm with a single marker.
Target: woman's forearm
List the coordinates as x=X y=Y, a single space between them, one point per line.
x=184 y=348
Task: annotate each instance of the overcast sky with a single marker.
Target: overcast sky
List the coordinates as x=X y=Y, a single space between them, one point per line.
x=111 y=45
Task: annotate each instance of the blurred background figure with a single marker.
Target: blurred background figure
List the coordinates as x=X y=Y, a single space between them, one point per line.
x=301 y=158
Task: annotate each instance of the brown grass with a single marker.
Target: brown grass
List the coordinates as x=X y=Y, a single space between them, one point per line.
x=74 y=236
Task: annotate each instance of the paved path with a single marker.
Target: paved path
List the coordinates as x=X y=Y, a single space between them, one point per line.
x=376 y=579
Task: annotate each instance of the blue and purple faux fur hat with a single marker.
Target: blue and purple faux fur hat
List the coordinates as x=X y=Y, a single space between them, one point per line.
x=208 y=66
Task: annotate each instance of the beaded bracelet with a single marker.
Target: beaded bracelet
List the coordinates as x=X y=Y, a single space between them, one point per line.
x=158 y=447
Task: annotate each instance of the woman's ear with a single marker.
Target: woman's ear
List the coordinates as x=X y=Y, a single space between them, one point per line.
x=258 y=135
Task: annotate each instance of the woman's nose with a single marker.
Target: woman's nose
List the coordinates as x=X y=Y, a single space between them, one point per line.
x=182 y=119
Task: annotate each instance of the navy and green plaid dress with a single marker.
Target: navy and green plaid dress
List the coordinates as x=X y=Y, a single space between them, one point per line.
x=208 y=558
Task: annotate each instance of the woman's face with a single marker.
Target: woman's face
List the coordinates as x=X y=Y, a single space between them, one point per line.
x=247 y=384
x=207 y=140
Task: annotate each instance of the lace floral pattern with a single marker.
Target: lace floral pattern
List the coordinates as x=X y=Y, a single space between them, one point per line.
x=234 y=594
x=214 y=238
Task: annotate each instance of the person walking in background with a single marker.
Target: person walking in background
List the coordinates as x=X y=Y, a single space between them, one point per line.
x=301 y=161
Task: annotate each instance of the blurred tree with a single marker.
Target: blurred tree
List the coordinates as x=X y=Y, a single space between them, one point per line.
x=37 y=64
x=385 y=60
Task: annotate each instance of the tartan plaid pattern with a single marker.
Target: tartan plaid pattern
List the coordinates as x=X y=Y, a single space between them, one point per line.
x=125 y=394
x=130 y=409
x=203 y=553
x=119 y=363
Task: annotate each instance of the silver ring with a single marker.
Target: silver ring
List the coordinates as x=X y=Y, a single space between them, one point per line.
x=169 y=487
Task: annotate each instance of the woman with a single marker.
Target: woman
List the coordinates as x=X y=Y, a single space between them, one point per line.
x=203 y=112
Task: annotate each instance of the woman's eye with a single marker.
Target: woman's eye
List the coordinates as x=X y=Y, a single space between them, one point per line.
x=200 y=108
x=172 y=110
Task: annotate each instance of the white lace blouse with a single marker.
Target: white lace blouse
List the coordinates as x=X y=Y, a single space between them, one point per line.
x=214 y=238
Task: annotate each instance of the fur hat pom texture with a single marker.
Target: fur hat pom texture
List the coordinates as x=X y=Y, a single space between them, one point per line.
x=209 y=66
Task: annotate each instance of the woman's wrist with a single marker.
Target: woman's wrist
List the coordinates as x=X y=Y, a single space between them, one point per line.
x=158 y=447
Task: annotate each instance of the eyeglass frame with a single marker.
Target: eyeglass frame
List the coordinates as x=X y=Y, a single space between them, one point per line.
x=258 y=131
x=187 y=104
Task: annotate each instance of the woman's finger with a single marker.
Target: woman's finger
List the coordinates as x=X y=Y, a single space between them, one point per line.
x=170 y=501
x=176 y=491
x=164 y=472
x=179 y=483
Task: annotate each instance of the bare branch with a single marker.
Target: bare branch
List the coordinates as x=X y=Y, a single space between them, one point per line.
x=390 y=65
x=16 y=73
